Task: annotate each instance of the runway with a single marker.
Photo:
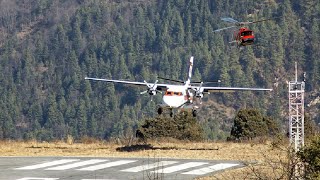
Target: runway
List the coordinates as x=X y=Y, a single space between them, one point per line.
x=90 y=168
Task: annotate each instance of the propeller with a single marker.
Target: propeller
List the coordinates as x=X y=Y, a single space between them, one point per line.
x=199 y=92
x=152 y=89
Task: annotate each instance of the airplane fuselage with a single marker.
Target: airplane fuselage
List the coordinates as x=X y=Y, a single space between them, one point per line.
x=176 y=97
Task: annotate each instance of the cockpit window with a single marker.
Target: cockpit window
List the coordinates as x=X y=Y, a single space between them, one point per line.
x=171 y=93
x=246 y=33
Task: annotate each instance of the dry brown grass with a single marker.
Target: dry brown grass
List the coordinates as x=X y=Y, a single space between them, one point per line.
x=247 y=152
x=217 y=151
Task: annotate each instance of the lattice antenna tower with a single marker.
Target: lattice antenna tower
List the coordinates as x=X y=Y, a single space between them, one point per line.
x=296 y=112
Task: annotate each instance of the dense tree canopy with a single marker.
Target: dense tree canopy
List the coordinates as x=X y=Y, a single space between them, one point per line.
x=48 y=47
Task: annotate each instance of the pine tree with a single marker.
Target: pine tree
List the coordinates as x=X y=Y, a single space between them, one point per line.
x=81 y=119
x=7 y=124
x=76 y=35
x=92 y=126
x=54 y=119
x=314 y=55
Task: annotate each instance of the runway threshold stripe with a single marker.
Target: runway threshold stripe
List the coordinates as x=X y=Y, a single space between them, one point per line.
x=98 y=179
x=77 y=164
x=149 y=166
x=210 y=169
x=106 y=165
x=179 y=167
x=52 y=163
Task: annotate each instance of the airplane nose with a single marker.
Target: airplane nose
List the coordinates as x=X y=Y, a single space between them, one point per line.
x=166 y=100
x=173 y=101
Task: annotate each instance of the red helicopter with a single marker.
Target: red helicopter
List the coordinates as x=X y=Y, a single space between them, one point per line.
x=244 y=36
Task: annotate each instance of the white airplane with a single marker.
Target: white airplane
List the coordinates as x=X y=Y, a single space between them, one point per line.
x=179 y=96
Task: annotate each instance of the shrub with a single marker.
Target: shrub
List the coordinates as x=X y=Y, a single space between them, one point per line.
x=249 y=124
x=310 y=156
x=182 y=126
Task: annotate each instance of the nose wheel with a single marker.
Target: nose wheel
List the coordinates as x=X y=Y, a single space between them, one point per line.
x=171 y=113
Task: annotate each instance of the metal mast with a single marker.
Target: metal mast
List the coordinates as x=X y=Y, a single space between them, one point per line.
x=296 y=112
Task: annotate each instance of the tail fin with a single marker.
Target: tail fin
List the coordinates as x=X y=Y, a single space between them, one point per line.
x=190 y=70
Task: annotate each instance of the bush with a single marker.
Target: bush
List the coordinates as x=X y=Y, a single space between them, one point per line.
x=249 y=124
x=182 y=126
x=310 y=156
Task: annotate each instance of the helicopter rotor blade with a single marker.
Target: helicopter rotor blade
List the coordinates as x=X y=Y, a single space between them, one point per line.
x=231 y=20
x=237 y=23
x=252 y=22
x=261 y=20
x=221 y=29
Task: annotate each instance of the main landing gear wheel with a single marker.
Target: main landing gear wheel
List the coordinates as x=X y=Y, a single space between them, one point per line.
x=194 y=113
x=160 y=110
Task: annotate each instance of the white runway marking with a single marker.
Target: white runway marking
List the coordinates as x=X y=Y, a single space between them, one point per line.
x=149 y=166
x=98 y=179
x=167 y=167
x=179 y=167
x=77 y=164
x=106 y=165
x=210 y=169
x=52 y=163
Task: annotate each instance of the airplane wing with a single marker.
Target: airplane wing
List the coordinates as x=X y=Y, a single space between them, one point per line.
x=227 y=89
x=160 y=87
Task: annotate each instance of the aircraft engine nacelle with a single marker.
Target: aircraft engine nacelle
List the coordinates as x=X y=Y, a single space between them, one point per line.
x=199 y=95
x=199 y=91
x=152 y=88
x=152 y=92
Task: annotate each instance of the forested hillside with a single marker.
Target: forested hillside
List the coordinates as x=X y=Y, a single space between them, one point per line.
x=47 y=47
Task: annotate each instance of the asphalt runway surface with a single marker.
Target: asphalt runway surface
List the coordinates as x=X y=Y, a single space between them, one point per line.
x=90 y=168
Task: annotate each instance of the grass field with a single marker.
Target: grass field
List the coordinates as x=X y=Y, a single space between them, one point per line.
x=258 y=155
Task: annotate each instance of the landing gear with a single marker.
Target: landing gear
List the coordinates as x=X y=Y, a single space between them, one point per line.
x=194 y=113
x=171 y=113
x=160 y=110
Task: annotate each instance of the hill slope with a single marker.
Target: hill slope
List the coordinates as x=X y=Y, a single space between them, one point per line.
x=48 y=47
